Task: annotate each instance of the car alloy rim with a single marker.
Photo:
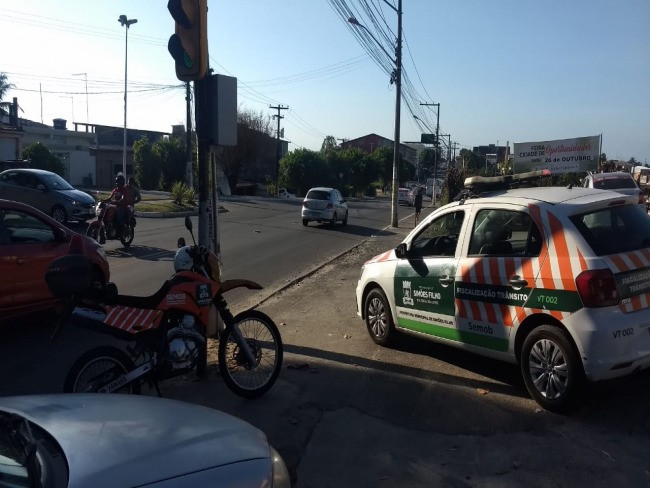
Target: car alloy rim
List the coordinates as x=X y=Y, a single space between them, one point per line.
x=58 y=215
x=548 y=369
x=377 y=317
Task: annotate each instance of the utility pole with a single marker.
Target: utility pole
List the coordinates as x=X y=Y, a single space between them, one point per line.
x=455 y=144
x=188 y=137
x=435 y=151
x=277 y=155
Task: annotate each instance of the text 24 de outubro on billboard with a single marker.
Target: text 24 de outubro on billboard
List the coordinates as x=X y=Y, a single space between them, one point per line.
x=559 y=156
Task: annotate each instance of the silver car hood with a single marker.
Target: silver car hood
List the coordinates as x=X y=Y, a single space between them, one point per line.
x=78 y=195
x=113 y=440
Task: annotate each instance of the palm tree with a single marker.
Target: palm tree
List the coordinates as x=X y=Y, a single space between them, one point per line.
x=5 y=86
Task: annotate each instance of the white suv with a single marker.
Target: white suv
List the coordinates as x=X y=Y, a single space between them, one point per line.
x=556 y=280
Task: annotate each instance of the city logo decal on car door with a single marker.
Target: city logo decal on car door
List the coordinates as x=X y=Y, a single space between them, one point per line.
x=422 y=303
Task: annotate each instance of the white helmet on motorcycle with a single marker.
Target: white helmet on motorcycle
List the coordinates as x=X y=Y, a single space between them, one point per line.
x=182 y=260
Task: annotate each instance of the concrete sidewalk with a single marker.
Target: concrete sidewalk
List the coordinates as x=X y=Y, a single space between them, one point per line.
x=348 y=413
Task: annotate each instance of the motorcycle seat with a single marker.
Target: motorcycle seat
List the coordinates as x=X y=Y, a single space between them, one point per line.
x=151 y=302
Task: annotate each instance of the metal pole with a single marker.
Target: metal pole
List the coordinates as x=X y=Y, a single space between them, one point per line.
x=126 y=54
x=200 y=106
x=188 y=137
x=398 y=99
x=87 y=111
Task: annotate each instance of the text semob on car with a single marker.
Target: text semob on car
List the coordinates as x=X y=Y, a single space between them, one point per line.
x=47 y=192
x=324 y=205
x=556 y=280
x=96 y=440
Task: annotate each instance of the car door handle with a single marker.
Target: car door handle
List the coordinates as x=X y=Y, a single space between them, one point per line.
x=446 y=280
x=518 y=282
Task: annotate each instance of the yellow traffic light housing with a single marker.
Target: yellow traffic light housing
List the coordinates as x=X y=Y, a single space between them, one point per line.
x=189 y=45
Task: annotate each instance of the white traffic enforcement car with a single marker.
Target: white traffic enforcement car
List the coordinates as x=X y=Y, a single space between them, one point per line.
x=556 y=280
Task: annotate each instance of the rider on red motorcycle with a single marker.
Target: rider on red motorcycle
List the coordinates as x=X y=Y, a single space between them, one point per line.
x=119 y=199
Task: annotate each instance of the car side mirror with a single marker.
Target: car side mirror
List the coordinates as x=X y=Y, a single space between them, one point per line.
x=401 y=251
x=41 y=187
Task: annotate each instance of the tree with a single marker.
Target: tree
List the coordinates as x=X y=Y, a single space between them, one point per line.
x=384 y=160
x=41 y=157
x=302 y=169
x=5 y=86
x=146 y=170
x=329 y=143
x=254 y=140
x=633 y=161
x=470 y=161
x=170 y=158
x=159 y=165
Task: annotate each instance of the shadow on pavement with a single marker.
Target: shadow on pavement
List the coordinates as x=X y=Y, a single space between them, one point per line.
x=147 y=253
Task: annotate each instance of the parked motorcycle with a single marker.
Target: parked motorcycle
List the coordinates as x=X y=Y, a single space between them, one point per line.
x=104 y=225
x=165 y=334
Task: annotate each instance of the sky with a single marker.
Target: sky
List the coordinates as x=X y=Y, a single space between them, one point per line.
x=501 y=70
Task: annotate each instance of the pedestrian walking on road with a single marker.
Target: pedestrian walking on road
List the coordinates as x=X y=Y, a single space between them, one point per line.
x=418 y=204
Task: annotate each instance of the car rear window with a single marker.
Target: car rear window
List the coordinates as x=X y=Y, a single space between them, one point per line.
x=613 y=183
x=616 y=229
x=318 y=195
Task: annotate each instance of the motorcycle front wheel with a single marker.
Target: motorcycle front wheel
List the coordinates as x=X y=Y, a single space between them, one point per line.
x=263 y=338
x=127 y=235
x=97 y=368
x=93 y=232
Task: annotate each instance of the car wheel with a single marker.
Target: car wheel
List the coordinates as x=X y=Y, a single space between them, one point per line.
x=552 y=369
x=333 y=221
x=345 y=219
x=379 y=319
x=305 y=222
x=59 y=214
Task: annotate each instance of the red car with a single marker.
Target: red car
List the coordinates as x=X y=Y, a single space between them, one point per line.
x=29 y=242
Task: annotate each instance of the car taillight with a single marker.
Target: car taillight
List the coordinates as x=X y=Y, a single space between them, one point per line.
x=597 y=288
x=304 y=204
x=329 y=205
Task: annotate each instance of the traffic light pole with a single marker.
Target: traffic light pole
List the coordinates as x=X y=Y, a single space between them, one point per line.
x=200 y=106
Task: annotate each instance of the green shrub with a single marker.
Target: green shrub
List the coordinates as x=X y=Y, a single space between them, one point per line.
x=190 y=196
x=179 y=190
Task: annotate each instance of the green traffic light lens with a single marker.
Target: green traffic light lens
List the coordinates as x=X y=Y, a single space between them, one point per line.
x=189 y=64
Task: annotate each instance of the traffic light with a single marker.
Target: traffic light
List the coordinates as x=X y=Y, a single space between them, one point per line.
x=189 y=45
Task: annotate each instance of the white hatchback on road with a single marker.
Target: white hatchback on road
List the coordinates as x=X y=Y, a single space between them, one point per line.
x=556 y=280
x=322 y=204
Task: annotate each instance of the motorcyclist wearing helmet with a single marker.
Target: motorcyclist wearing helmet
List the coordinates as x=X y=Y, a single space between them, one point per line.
x=119 y=199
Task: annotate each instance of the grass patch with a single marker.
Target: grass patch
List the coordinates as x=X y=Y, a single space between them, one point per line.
x=146 y=197
x=162 y=206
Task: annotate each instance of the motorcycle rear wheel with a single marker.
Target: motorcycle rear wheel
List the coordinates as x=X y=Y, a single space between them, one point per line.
x=97 y=368
x=263 y=337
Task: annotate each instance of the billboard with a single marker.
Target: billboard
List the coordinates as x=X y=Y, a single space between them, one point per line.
x=559 y=156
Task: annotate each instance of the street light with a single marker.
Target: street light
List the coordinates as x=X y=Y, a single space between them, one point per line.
x=397 y=78
x=125 y=23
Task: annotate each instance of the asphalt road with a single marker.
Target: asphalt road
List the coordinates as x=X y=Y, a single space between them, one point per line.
x=348 y=413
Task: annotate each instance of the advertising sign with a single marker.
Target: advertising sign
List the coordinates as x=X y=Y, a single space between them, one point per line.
x=559 y=156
